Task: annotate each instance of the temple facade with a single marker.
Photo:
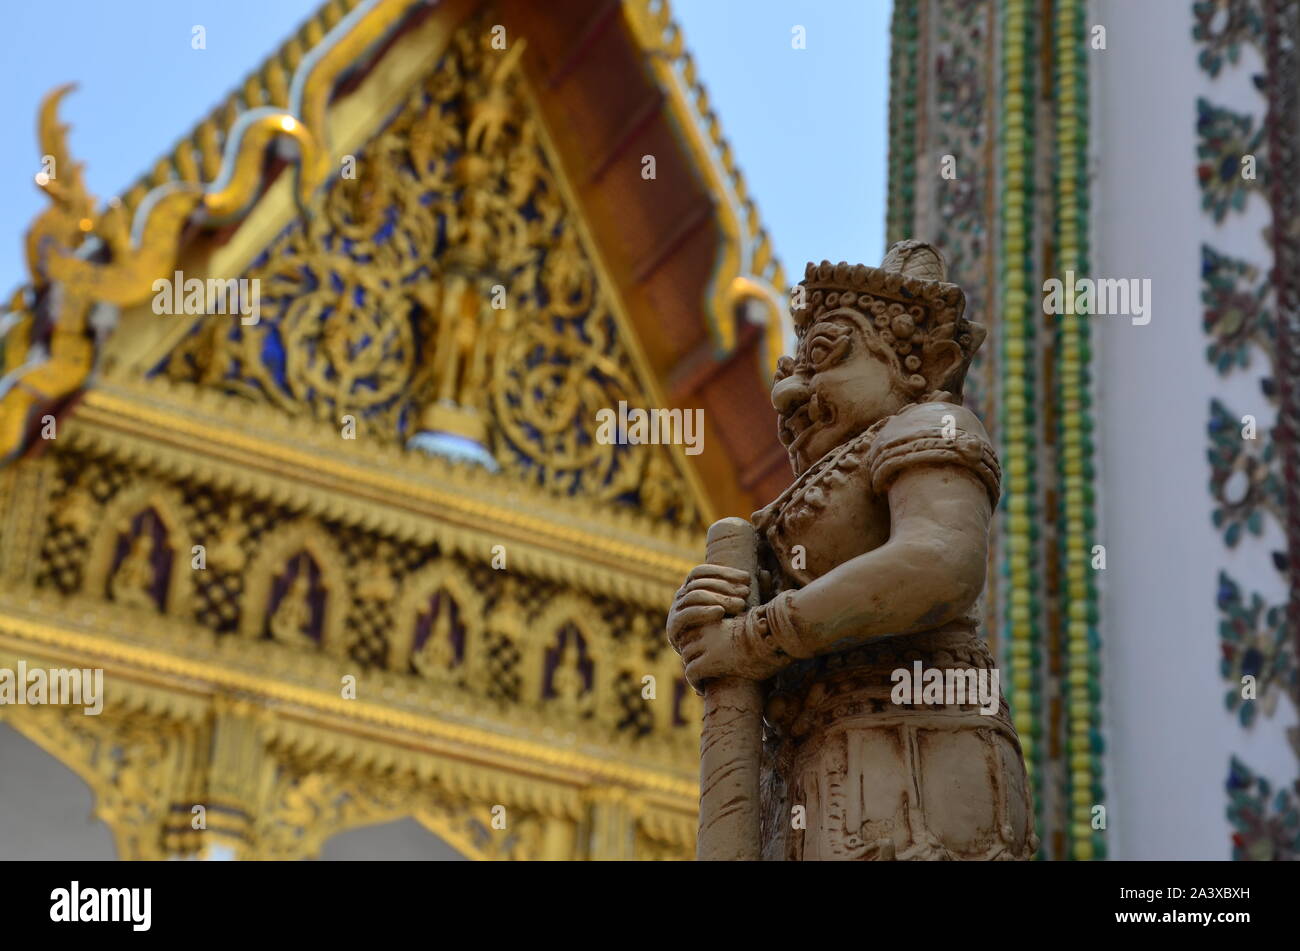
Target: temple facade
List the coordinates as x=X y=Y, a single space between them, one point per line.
x=333 y=509
x=303 y=440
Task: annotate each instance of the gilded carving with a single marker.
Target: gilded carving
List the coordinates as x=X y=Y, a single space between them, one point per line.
x=130 y=760
x=52 y=352
x=307 y=804
x=438 y=629
x=140 y=555
x=380 y=303
x=296 y=589
x=376 y=575
x=446 y=290
x=565 y=664
x=227 y=553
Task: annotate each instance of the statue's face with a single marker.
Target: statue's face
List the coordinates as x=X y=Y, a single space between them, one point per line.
x=831 y=390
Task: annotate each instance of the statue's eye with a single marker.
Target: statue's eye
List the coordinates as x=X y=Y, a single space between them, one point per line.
x=825 y=349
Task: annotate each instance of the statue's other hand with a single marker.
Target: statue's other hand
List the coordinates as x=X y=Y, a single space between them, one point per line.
x=716 y=651
x=711 y=592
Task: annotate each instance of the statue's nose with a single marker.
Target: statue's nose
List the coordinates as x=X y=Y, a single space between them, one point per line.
x=789 y=394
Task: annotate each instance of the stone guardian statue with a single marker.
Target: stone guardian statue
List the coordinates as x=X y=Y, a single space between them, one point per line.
x=860 y=578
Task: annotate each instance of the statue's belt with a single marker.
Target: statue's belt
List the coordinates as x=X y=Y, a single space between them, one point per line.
x=862 y=678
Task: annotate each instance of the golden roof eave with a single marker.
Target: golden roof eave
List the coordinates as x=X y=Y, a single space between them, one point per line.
x=382 y=487
x=33 y=381
x=170 y=666
x=200 y=150
x=338 y=35
x=747 y=268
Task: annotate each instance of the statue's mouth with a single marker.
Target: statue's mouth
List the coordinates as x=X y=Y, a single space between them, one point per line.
x=808 y=419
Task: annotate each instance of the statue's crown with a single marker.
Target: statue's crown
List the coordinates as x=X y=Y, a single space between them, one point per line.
x=908 y=306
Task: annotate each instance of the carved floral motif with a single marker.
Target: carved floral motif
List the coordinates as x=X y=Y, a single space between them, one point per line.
x=447 y=286
x=1225 y=139
x=1244 y=311
x=1267 y=821
x=1256 y=643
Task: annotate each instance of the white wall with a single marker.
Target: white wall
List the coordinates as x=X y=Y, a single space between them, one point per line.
x=45 y=808
x=1170 y=735
x=403 y=840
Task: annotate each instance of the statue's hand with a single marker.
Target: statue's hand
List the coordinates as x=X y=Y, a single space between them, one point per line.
x=711 y=592
x=713 y=650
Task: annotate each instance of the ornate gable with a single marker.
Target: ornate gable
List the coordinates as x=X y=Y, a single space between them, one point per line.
x=444 y=284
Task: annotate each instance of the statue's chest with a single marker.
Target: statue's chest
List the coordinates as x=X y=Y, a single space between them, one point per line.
x=827 y=517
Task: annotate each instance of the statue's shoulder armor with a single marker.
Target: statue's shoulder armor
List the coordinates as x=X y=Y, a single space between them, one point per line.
x=933 y=434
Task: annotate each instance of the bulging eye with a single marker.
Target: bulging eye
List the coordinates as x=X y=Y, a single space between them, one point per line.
x=823 y=350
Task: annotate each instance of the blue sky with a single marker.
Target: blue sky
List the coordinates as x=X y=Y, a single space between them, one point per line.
x=808 y=126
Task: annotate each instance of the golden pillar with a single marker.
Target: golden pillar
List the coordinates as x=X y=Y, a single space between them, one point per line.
x=612 y=823
x=237 y=772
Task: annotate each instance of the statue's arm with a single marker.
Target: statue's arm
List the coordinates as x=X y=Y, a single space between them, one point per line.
x=930 y=572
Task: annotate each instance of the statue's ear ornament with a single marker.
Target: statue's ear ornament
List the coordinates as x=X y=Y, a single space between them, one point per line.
x=908 y=305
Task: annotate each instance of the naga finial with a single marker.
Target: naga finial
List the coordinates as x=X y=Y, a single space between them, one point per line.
x=71 y=213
